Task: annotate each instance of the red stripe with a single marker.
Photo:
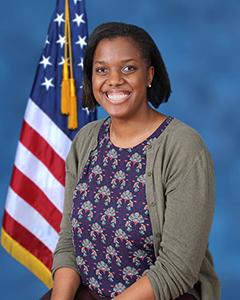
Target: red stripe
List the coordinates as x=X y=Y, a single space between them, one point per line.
x=43 y=151
x=30 y=192
x=26 y=239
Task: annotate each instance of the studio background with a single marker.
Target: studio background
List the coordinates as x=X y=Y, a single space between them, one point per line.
x=200 y=43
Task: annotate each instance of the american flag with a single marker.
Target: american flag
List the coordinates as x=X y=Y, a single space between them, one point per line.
x=36 y=193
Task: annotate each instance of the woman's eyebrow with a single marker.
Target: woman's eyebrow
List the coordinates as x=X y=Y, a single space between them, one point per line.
x=99 y=62
x=102 y=62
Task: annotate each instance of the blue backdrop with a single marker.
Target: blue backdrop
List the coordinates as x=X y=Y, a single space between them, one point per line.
x=200 y=42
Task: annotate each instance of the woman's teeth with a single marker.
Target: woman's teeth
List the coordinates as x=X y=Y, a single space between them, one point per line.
x=117 y=96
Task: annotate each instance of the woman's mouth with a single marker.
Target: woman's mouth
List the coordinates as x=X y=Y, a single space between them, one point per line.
x=117 y=96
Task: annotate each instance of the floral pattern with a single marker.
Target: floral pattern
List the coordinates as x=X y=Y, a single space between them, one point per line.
x=112 y=254
x=140 y=182
x=119 y=179
x=97 y=232
x=111 y=226
x=136 y=219
x=104 y=194
x=135 y=161
x=118 y=289
x=125 y=198
x=82 y=264
x=96 y=174
x=86 y=209
x=109 y=216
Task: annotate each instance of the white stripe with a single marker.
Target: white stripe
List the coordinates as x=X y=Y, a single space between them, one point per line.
x=34 y=169
x=29 y=218
x=40 y=121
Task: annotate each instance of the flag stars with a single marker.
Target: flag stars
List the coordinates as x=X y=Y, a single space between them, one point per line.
x=61 y=40
x=47 y=83
x=45 y=61
x=47 y=41
x=81 y=41
x=81 y=63
x=86 y=110
x=75 y=1
x=62 y=61
x=79 y=19
x=59 y=19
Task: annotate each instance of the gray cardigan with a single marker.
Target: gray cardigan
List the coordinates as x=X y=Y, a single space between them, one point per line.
x=180 y=197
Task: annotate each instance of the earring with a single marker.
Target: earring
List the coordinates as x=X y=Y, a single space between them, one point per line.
x=149 y=85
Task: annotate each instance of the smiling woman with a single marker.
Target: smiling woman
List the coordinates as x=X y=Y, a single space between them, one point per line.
x=139 y=196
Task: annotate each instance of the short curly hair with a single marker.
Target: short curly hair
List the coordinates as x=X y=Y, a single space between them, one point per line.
x=160 y=89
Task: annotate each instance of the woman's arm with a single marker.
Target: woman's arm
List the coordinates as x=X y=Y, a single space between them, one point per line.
x=187 y=222
x=189 y=207
x=64 y=268
x=66 y=283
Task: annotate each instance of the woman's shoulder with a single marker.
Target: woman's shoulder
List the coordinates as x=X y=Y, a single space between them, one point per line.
x=85 y=139
x=182 y=135
x=89 y=131
x=181 y=148
x=91 y=127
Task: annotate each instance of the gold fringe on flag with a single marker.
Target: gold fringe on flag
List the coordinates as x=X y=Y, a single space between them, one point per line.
x=68 y=90
x=65 y=92
x=72 y=119
x=26 y=258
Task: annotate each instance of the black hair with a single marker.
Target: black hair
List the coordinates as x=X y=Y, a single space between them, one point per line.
x=160 y=89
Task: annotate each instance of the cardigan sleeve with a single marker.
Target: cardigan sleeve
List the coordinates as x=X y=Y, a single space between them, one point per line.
x=189 y=207
x=64 y=255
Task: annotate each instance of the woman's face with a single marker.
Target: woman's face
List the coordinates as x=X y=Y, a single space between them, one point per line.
x=120 y=77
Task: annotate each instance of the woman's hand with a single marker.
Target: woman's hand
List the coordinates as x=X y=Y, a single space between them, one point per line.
x=140 y=290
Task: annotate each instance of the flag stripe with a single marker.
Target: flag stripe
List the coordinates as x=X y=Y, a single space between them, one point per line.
x=29 y=218
x=41 y=123
x=43 y=151
x=33 y=168
x=26 y=258
x=27 y=240
x=30 y=192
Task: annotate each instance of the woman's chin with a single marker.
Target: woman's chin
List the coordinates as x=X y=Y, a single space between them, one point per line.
x=116 y=111
x=118 y=115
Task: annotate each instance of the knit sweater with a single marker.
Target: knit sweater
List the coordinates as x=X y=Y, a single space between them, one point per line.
x=180 y=197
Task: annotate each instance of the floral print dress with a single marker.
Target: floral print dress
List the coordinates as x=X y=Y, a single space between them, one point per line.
x=112 y=233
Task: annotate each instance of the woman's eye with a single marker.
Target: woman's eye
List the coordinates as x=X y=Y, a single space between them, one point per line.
x=128 y=68
x=101 y=70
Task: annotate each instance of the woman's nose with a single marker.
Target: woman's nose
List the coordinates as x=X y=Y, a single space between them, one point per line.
x=115 y=78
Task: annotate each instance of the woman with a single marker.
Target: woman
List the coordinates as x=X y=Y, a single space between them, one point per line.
x=139 y=187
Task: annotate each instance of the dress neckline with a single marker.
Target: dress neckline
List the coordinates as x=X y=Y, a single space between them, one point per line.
x=154 y=134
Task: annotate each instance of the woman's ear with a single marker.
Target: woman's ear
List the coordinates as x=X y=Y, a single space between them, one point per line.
x=150 y=75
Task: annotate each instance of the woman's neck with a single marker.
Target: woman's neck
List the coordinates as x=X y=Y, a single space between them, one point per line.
x=128 y=133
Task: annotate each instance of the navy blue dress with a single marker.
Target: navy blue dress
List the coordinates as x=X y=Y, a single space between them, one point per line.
x=112 y=233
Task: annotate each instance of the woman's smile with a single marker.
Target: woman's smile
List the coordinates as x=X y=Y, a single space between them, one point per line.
x=117 y=96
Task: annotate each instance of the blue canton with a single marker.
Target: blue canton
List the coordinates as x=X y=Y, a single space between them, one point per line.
x=46 y=91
